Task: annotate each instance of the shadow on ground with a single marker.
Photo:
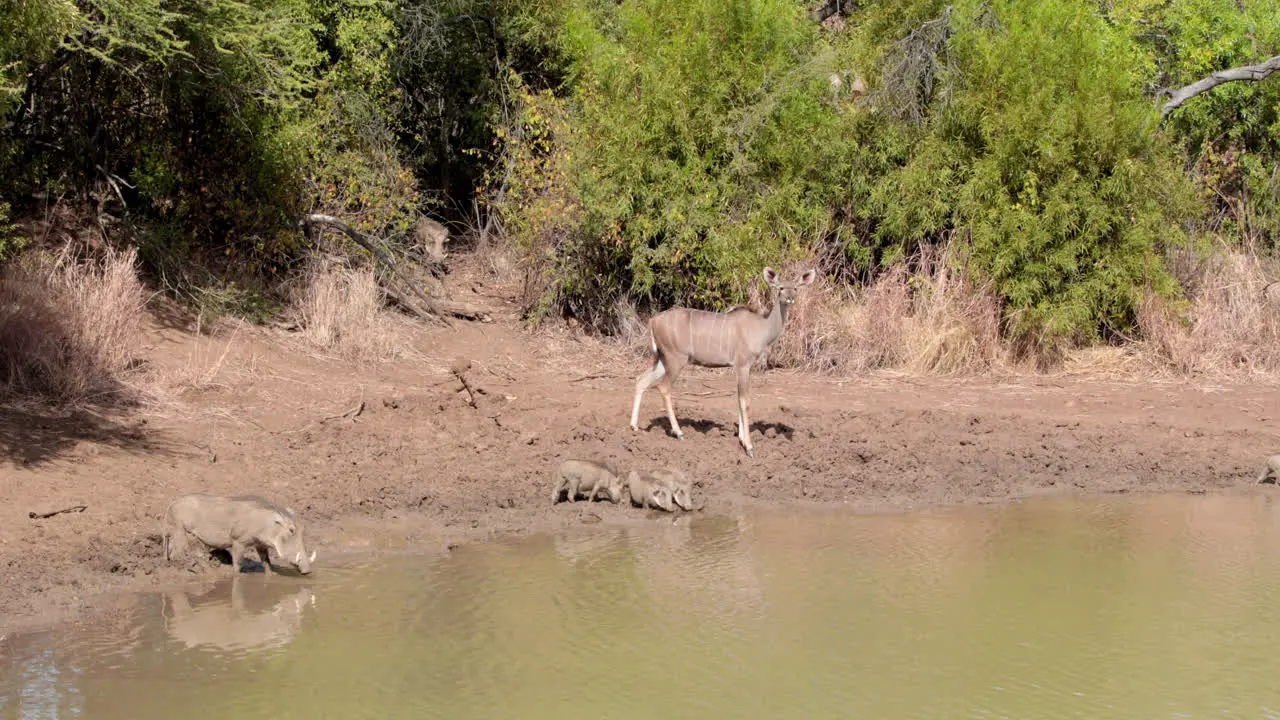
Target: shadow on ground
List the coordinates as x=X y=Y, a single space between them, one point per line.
x=31 y=437
x=712 y=427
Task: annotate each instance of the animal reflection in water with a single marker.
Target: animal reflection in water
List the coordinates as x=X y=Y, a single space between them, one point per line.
x=707 y=561
x=229 y=624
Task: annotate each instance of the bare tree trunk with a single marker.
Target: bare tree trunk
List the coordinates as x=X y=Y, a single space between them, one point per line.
x=1252 y=73
x=825 y=10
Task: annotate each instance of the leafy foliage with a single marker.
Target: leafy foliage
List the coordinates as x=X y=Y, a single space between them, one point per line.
x=1065 y=192
x=451 y=67
x=706 y=139
x=1232 y=133
x=660 y=151
x=32 y=30
x=674 y=146
x=220 y=120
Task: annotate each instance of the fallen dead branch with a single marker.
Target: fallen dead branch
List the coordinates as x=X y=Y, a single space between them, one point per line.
x=397 y=286
x=41 y=516
x=466 y=311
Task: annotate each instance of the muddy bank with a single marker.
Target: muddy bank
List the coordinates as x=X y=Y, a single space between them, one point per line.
x=419 y=467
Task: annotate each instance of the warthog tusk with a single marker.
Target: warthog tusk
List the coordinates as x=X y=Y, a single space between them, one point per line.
x=297 y=558
x=313 y=556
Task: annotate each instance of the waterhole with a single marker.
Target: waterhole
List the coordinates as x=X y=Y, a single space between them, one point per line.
x=1123 y=607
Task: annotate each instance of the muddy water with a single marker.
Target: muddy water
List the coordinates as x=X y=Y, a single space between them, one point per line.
x=1153 y=607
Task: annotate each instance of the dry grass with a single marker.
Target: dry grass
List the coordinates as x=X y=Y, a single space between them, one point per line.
x=496 y=260
x=70 y=327
x=205 y=362
x=930 y=317
x=629 y=329
x=931 y=321
x=1124 y=362
x=934 y=319
x=341 y=313
x=1231 y=327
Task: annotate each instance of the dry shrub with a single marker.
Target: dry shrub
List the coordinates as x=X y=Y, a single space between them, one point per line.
x=829 y=330
x=498 y=260
x=1106 y=361
x=1232 y=324
x=935 y=321
x=627 y=327
x=340 y=311
x=955 y=323
x=69 y=326
x=881 y=315
x=205 y=361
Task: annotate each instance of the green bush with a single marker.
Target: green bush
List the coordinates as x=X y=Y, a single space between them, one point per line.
x=10 y=241
x=1066 y=193
x=660 y=151
x=219 y=119
x=1231 y=134
x=32 y=30
x=705 y=139
x=687 y=172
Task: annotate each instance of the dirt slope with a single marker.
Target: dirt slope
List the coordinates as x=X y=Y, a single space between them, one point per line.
x=418 y=467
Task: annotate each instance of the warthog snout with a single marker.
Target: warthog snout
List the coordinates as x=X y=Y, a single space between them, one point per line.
x=303 y=562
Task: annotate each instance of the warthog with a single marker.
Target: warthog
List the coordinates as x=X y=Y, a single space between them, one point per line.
x=679 y=485
x=432 y=237
x=236 y=524
x=647 y=492
x=1270 y=471
x=584 y=476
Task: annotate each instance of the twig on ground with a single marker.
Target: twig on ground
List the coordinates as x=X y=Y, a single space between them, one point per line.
x=213 y=456
x=459 y=369
x=73 y=509
x=597 y=376
x=498 y=372
x=353 y=413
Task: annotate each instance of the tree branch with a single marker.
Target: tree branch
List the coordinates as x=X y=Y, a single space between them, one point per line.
x=499 y=42
x=400 y=288
x=913 y=65
x=828 y=8
x=1253 y=73
x=368 y=242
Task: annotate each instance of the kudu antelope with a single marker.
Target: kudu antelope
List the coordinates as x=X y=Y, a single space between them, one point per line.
x=680 y=336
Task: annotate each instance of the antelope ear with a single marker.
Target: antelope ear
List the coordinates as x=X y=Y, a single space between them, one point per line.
x=808 y=277
x=770 y=276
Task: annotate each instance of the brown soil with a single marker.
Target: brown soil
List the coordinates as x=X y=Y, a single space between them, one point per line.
x=419 y=468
